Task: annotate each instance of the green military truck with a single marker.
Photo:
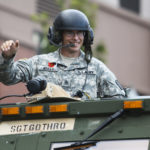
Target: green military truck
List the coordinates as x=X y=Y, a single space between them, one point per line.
x=67 y=124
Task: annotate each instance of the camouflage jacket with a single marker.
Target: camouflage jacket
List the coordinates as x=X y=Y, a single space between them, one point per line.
x=94 y=79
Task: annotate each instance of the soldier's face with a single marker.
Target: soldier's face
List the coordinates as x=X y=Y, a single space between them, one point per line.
x=73 y=37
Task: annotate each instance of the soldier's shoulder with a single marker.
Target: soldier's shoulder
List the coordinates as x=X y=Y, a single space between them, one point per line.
x=49 y=55
x=99 y=65
x=96 y=61
x=38 y=57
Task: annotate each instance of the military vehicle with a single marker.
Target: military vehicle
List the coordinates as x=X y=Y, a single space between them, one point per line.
x=68 y=124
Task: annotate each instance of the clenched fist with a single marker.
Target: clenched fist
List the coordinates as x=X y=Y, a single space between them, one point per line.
x=9 y=48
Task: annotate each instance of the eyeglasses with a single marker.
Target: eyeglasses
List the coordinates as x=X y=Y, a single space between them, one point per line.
x=73 y=33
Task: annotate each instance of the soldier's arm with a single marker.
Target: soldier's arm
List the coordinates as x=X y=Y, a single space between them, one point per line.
x=9 y=49
x=13 y=72
x=109 y=86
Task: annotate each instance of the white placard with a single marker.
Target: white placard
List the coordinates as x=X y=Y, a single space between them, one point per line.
x=34 y=126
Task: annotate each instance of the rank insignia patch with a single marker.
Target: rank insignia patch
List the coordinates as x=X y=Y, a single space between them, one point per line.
x=51 y=65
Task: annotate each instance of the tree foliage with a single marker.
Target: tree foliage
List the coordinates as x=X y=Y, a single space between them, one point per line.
x=44 y=45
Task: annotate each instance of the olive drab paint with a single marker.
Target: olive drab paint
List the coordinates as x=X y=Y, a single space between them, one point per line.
x=56 y=129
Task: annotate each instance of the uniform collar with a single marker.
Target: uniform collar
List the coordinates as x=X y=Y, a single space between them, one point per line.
x=78 y=63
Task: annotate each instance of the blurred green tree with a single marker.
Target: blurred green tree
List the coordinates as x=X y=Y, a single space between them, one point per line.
x=43 y=19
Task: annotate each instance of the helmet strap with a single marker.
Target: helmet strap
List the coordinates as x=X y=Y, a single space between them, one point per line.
x=87 y=49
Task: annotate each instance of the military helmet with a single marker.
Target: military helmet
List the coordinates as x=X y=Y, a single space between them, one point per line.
x=70 y=19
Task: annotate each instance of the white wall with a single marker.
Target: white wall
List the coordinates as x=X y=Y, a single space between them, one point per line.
x=145 y=6
x=112 y=3
x=20 y=5
x=145 y=9
x=15 y=20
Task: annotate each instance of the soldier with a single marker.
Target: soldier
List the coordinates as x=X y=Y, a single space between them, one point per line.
x=77 y=72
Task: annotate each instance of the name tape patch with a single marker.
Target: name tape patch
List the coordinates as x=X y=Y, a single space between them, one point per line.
x=34 y=126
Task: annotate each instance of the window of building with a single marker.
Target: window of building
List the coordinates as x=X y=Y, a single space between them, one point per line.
x=48 y=6
x=132 y=5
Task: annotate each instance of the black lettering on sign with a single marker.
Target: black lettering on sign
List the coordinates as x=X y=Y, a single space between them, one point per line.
x=12 y=128
x=25 y=127
x=31 y=127
x=50 y=126
x=62 y=125
x=19 y=127
x=47 y=126
x=38 y=127
x=56 y=126
x=44 y=126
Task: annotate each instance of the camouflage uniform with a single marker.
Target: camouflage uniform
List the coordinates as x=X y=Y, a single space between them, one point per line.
x=96 y=80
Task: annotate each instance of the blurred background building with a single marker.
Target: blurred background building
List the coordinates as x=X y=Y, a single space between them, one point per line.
x=123 y=26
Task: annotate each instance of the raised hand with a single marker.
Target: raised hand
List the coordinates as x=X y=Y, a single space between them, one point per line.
x=9 y=48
